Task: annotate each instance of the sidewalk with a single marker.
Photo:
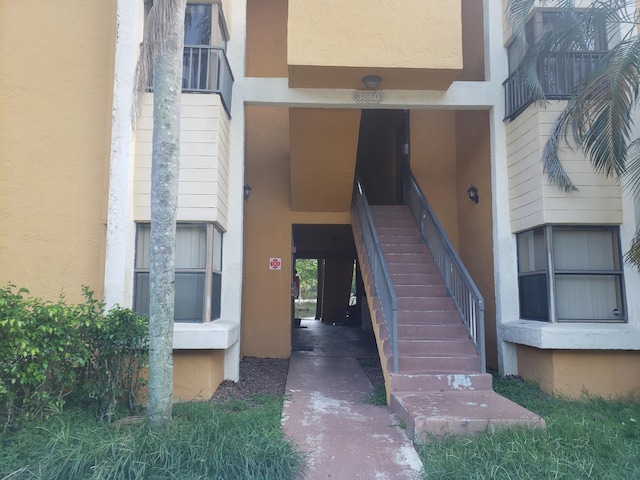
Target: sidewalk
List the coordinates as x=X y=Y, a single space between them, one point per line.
x=344 y=437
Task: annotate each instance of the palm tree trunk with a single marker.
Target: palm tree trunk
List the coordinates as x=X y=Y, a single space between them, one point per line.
x=167 y=84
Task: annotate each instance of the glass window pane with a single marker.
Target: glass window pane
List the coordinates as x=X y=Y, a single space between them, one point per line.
x=531 y=251
x=189 y=301
x=191 y=246
x=588 y=297
x=197 y=24
x=217 y=250
x=584 y=250
x=534 y=303
x=141 y=293
x=142 y=245
x=216 y=296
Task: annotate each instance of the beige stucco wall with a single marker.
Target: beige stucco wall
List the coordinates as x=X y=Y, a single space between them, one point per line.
x=382 y=39
x=203 y=188
x=197 y=374
x=533 y=199
x=266 y=296
x=56 y=72
x=611 y=373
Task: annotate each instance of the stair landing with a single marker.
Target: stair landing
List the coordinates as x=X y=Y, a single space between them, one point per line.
x=439 y=388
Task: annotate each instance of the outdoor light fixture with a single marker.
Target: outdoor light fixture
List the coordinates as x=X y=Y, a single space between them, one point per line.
x=247 y=191
x=473 y=194
x=371 y=81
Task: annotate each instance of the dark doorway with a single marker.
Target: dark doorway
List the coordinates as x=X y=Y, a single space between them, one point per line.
x=382 y=152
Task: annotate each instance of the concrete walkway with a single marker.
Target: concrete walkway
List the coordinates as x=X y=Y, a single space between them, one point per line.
x=325 y=413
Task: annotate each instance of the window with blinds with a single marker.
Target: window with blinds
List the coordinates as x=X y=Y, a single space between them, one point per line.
x=571 y=274
x=198 y=272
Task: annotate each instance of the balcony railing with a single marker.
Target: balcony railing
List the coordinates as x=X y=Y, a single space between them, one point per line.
x=206 y=70
x=559 y=74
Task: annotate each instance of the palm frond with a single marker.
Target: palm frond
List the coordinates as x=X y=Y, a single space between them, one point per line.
x=556 y=173
x=602 y=118
x=155 y=31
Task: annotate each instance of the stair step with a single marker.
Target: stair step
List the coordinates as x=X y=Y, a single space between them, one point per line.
x=441 y=317
x=413 y=258
x=432 y=332
x=426 y=382
x=405 y=248
x=455 y=346
x=399 y=279
x=439 y=414
x=425 y=304
x=425 y=290
x=410 y=230
x=412 y=268
x=394 y=239
x=439 y=363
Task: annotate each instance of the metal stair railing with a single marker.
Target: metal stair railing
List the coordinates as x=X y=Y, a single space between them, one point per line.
x=381 y=278
x=460 y=286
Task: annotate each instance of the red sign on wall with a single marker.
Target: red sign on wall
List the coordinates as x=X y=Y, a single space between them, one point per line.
x=275 y=264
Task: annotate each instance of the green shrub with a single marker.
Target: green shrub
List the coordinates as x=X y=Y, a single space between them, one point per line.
x=47 y=348
x=40 y=351
x=117 y=343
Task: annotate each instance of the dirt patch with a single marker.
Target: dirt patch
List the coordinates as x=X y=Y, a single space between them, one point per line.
x=268 y=376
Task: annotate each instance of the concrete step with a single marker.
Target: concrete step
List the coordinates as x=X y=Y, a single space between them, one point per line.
x=438 y=414
x=439 y=363
x=443 y=317
x=400 y=279
x=432 y=332
x=428 y=382
x=424 y=290
x=395 y=239
x=405 y=248
x=426 y=304
x=423 y=258
x=412 y=268
x=454 y=346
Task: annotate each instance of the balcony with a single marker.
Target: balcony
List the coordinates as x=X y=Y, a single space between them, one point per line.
x=205 y=69
x=559 y=74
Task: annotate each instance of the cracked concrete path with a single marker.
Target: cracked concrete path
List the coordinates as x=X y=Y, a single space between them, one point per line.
x=344 y=437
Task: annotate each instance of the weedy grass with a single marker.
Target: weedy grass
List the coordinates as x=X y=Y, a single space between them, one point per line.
x=591 y=438
x=204 y=441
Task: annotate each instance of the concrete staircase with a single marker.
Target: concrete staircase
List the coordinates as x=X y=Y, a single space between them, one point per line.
x=439 y=388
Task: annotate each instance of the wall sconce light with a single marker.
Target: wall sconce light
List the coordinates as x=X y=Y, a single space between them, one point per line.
x=473 y=194
x=371 y=81
x=247 y=191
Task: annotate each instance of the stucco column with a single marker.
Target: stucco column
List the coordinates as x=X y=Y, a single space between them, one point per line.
x=504 y=247
x=118 y=276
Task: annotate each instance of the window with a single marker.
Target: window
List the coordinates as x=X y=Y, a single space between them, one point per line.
x=570 y=274
x=198 y=275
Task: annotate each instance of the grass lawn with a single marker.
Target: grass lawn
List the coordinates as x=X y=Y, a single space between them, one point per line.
x=235 y=440
x=587 y=439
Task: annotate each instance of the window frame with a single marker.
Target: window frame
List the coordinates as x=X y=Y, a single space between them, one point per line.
x=212 y=270
x=553 y=273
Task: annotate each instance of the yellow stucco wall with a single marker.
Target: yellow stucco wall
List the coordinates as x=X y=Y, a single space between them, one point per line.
x=573 y=373
x=266 y=296
x=55 y=118
x=433 y=162
x=382 y=39
x=266 y=38
x=475 y=221
x=197 y=374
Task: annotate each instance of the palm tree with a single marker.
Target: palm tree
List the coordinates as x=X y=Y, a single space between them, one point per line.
x=599 y=115
x=162 y=50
